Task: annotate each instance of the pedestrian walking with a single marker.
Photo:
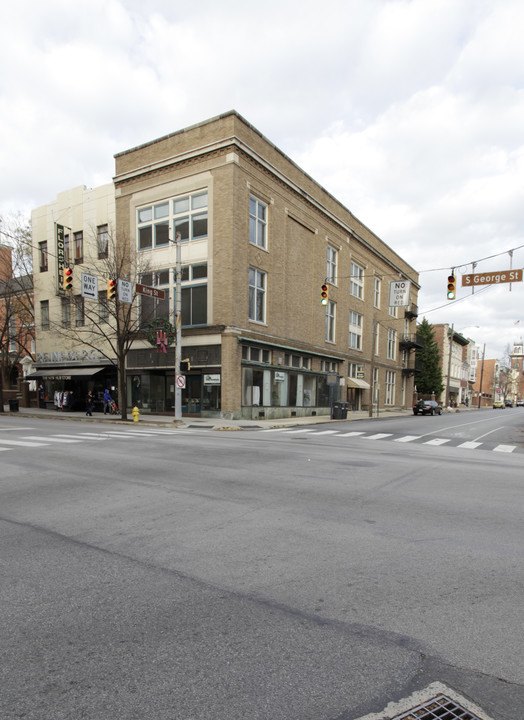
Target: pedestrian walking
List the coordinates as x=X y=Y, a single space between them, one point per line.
x=108 y=402
x=90 y=401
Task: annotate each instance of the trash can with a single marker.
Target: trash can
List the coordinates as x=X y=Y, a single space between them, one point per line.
x=340 y=411
x=13 y=404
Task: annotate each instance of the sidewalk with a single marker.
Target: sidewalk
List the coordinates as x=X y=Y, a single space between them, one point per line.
x=146 y=419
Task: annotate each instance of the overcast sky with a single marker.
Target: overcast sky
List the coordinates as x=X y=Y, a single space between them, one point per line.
x=410 y=112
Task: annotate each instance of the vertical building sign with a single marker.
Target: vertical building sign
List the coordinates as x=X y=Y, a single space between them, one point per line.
x=60 y=255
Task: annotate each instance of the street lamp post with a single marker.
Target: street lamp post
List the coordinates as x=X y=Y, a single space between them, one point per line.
x=178 y=326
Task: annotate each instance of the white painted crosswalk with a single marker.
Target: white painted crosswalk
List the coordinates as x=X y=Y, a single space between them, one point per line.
x=10 y=442
x=418 y=439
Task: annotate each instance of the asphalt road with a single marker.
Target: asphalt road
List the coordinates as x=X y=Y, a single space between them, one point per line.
x=192 y=575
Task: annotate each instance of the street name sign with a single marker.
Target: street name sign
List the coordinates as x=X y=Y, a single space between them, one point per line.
x=399 y=293
x=150 y=291
x=89 y=286
x=492 y=278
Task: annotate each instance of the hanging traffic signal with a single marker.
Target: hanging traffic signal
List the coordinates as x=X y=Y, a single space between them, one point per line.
x=185 y=365
x=111 y=289
x=67 y=281
x=452 y=287
x=324 y=294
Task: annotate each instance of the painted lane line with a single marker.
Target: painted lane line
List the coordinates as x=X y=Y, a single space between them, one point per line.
x=351 y=434
x=407 y=438
x=489 y=433
x=436 y=441
x=469 y=445
x=504 y=448
x=327 y=432
x=50 y=439
x=378 y=436
x=20 y=443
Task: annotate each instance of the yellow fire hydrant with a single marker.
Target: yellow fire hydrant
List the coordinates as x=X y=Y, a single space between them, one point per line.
x=135 y=413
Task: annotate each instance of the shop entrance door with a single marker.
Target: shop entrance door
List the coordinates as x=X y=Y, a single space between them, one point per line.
x=192 y=395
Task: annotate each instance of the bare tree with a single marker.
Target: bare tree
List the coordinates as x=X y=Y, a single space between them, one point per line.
x=110 y=326
x=16 y=297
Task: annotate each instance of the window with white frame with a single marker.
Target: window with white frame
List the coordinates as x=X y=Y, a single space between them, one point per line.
x=102 y=239
x=330 y=321
x=44 y=314
x=376 y=292
x=257 y=295
x=331 y=269
x=66 y=312
x=152 y=308
x=390 y=387
x=355 y=330
x=257 y=222
x=391 y=353
x=194 y=294
x=376 y=386
x=393 y=311
x=356 y=283
x=187 y=215
x=79 y=311
x=377 y=341
x=354 y=369
x=103 y=307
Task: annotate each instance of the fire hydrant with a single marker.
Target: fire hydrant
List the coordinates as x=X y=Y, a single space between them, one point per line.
x=135 y=413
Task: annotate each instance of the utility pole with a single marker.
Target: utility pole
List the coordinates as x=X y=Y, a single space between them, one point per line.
x=481 y=373
x=450 y=336
x=178 y=327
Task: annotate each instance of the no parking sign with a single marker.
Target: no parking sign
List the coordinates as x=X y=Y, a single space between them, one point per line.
x=181 y=381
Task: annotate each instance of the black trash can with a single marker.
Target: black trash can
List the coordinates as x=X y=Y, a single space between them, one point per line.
x=13 y=404
x=339 y=411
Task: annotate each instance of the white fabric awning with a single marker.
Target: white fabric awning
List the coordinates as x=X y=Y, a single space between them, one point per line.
x=357 y=383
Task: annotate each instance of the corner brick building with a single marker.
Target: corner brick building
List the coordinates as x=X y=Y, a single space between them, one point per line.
x=259 y=237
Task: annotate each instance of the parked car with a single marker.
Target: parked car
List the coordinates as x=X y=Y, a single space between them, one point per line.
x=520 y=403
x=498 y=404
x=427 y=407
x=508 y=403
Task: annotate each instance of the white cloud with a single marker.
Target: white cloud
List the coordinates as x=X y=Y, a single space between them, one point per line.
x=408 y=111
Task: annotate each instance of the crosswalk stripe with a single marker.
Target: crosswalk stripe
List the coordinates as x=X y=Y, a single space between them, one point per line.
x=351 y=434
x=378 y=436
x=305 y=430
x=327 y=432
x=469 y=445
x=504 y=448
x=51 y=439
x=407 y=438
x=21 y=443
x=436 y=441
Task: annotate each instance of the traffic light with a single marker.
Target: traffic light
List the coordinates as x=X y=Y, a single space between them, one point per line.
x=452 y=287
x=324 y=294
x=67 y=281
x=111 y=289
x=185 y=365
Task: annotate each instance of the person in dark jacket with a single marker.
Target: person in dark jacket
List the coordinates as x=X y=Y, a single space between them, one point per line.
x=90 y=401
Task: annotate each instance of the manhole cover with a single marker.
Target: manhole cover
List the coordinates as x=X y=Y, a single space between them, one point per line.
x=435 y=702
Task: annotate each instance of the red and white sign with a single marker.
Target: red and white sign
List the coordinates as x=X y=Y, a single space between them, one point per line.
x=181 y=381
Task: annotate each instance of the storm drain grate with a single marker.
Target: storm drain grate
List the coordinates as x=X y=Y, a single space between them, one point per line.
x=439 y=708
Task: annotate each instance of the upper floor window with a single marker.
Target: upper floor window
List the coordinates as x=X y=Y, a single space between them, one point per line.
x=330 y=321
x=331 y=270
x=103 y=307
x=356 y=283
x=256 y=354
x=102 y=239
x=13 y=339
x=151 y=307
x=187 y=215
x=190 y=214
x=42 y=249
x=390 y=387
x=79 y=311
x=376 y=292
x=392 y=344
x=257 y=295
x=78 y=238
x=257 y=222
x=393 y=310
x=66 y=312
x=44 y=314
x=355 y=331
